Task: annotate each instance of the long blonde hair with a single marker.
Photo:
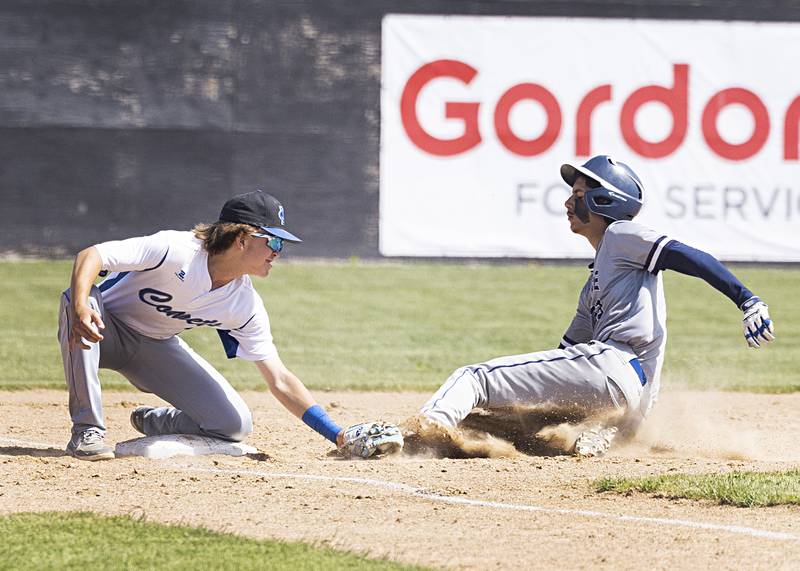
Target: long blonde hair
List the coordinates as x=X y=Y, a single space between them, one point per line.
x=219 y=236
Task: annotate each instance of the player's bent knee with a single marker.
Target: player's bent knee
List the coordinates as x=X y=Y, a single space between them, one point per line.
x=244 y=428
x=627 y=401
x=618 y=397
x=235 y=427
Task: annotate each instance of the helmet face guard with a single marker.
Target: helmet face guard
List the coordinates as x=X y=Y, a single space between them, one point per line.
x=615 y=191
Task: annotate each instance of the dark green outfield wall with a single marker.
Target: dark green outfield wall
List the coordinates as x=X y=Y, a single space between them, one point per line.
x=119 y=118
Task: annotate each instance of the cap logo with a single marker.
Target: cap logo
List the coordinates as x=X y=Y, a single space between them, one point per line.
x=281 y=215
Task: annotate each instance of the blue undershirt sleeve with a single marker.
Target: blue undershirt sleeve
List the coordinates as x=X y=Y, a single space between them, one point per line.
x=692 y=262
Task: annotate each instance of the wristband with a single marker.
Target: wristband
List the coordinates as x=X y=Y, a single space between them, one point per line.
x=750 y=303
x=318 y=419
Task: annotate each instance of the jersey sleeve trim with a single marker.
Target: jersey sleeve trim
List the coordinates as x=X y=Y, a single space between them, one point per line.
x=158 y=265
x=566 y=342
x=111 y=282
x=245 y=323
x=229 y=343
x=132 y=254
x=651 y=263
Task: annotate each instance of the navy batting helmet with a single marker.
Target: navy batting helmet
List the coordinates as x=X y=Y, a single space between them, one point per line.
x=615 y=191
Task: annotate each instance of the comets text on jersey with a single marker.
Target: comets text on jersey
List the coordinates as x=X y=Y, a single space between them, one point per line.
x=158 y=299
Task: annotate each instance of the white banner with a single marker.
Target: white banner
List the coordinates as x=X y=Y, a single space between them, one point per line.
x=478 y=113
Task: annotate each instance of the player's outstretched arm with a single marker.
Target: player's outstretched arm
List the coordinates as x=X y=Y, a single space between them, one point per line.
x=85 y=322
x=285 y=386
x=758 y=327
x=364 y=440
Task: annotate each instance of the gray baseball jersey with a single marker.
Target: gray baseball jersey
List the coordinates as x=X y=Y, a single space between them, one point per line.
x=611 y=354
x=622 y=302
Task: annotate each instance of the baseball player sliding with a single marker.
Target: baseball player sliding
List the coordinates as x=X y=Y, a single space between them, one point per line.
x=611 y=355
x=162 y=285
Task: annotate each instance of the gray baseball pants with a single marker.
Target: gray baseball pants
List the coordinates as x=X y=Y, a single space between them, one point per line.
x=203 y=401
x=594 y=376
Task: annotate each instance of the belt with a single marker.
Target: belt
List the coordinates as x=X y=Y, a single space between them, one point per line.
x=637 y=366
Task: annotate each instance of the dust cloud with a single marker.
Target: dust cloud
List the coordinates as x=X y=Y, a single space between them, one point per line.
x=688 y=425
x=532 y=430
x=701 y=425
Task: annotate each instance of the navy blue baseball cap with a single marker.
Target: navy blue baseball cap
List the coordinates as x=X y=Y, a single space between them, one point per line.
x=260 y=209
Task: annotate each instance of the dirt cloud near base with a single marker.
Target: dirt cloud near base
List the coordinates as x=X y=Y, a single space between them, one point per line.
x=709 y=425
x=502 y=433
x=697 y=425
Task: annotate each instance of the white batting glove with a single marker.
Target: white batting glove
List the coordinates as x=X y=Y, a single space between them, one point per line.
x=758 y=327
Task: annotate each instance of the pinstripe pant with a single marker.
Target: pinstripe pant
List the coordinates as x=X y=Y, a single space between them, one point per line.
x=593 y=376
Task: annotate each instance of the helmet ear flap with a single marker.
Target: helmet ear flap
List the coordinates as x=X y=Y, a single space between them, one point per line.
x=618 y=191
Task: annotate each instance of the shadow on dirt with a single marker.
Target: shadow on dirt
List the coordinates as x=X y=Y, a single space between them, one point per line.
x=33 y=452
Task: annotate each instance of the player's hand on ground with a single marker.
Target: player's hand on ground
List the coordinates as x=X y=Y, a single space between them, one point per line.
x=758 y=327
x=85 y=325
x=371 y=439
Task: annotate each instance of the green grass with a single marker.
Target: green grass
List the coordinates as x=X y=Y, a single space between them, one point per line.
x=742 y=489
x=88 y=541
x=352 y=325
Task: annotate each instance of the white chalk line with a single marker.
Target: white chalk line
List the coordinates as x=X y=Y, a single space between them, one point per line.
x=432 y=496
x=422 y=493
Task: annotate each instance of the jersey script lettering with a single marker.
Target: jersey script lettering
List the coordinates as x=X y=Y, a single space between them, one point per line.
x=157 y=299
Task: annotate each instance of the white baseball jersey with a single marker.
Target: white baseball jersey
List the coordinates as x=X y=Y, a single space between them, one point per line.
x=160 y=286
x=622 y=302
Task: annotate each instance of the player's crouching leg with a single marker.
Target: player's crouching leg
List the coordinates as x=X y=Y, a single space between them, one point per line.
x=234 y=424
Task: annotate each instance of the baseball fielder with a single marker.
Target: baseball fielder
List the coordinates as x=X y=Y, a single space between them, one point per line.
x=167 y=283
x=611 y=354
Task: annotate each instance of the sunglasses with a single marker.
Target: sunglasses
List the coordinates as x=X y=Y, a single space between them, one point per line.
x=273 y=242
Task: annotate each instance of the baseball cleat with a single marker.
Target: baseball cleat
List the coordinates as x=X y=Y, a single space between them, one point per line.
x=595 y=441
x=89 y=445
x=137 y=418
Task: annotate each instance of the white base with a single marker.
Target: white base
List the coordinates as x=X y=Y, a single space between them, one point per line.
x=170 y=445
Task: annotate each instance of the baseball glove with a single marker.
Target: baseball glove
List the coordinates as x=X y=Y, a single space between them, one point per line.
x=372 y=439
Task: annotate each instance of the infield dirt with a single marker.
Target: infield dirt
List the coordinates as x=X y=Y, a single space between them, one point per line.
x=529 y=511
